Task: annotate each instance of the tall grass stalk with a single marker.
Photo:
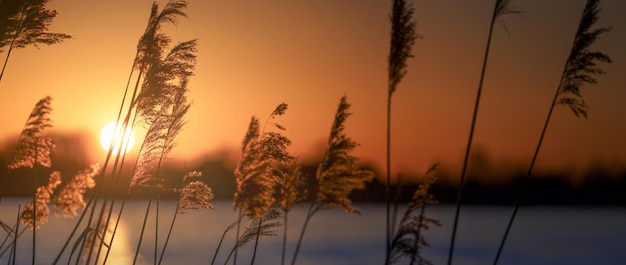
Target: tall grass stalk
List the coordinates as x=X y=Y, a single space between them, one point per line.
x=17 y=227
x=260 y=168
x=409 y=239
x=194 y=194
x=33 y=150
x=219 y=244
x=149 y=48
x=337 y=175
x=502 y=7
x=579 y=69
x=402 y=39
x=264 y=226
x=27 y=24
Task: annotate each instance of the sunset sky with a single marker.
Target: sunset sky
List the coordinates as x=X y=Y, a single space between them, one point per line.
x=254 y=55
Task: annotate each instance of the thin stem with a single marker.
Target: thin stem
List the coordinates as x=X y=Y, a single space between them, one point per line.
x=528 y=173
x=306 y=222
x=156 y=230
x=418 y=235
x=169 y=233
x=459 y=196
x=256 y=241
x=282 y=260
x=17 y=227
x=237 y=236
x=34 y=221
x=7 y=58
x=388 y=183
x=219 y=245
x=143 y=228
x=80 y=219
x=117 y=222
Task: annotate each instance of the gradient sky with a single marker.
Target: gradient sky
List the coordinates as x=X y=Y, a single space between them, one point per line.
x=254 y=55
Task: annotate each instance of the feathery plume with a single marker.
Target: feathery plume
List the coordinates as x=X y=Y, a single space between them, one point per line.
x=288 y=191
x=409 y=239
x=339 y=173
x=32 y=148
x=42 y=198
x=258 y=171
x=403 y=37
x=26 y=23
x=269 y=223
x=71 y=197
x=195 y=194
x=581 y=67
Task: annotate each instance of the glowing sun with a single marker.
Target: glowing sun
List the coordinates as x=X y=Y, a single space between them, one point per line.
x=109 y=133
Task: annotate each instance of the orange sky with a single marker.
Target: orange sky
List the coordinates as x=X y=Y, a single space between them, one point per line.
x=253 y=56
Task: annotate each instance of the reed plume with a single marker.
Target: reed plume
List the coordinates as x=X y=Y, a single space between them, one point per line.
x=409 y=239
x=290 y=191
x=580 y=69
x=258 y=172
x=338 y=174
x=34 y=218
x=167 y=120
x=150 y=48
x=33 y=148
x=403 y=37
x=501 y=8
x=71 y=197
x=260 y=169
x=265 y=226
x=194 y=194
x=26 y=23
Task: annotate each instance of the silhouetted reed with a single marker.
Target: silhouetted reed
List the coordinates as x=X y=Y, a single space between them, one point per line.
x=338 y=174
x=260 y=170
x=34 y=149
x=264 y=226
x=501 y=8
x=36 y=212
x=24 y=23
x=71 y=196
x=166 y=118
x=194 y=194
x=403 y=37
x=580 y=69
x=152 y=69
x=290 y=191
x=409 y=239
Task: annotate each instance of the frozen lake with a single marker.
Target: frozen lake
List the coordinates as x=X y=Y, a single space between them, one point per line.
x=541 y=235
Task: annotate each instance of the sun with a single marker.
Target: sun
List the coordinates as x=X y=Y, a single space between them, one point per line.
x=109 y=132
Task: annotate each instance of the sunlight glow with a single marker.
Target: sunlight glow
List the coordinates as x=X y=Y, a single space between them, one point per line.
x=107 y=135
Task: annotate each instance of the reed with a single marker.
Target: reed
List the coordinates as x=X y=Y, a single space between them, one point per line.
x=409 y=240
x=337 y=175
x=501 y=8
x=403 y=37
x=580 y=69
x=264 y=155
x=25 y=23
x=194 y=194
